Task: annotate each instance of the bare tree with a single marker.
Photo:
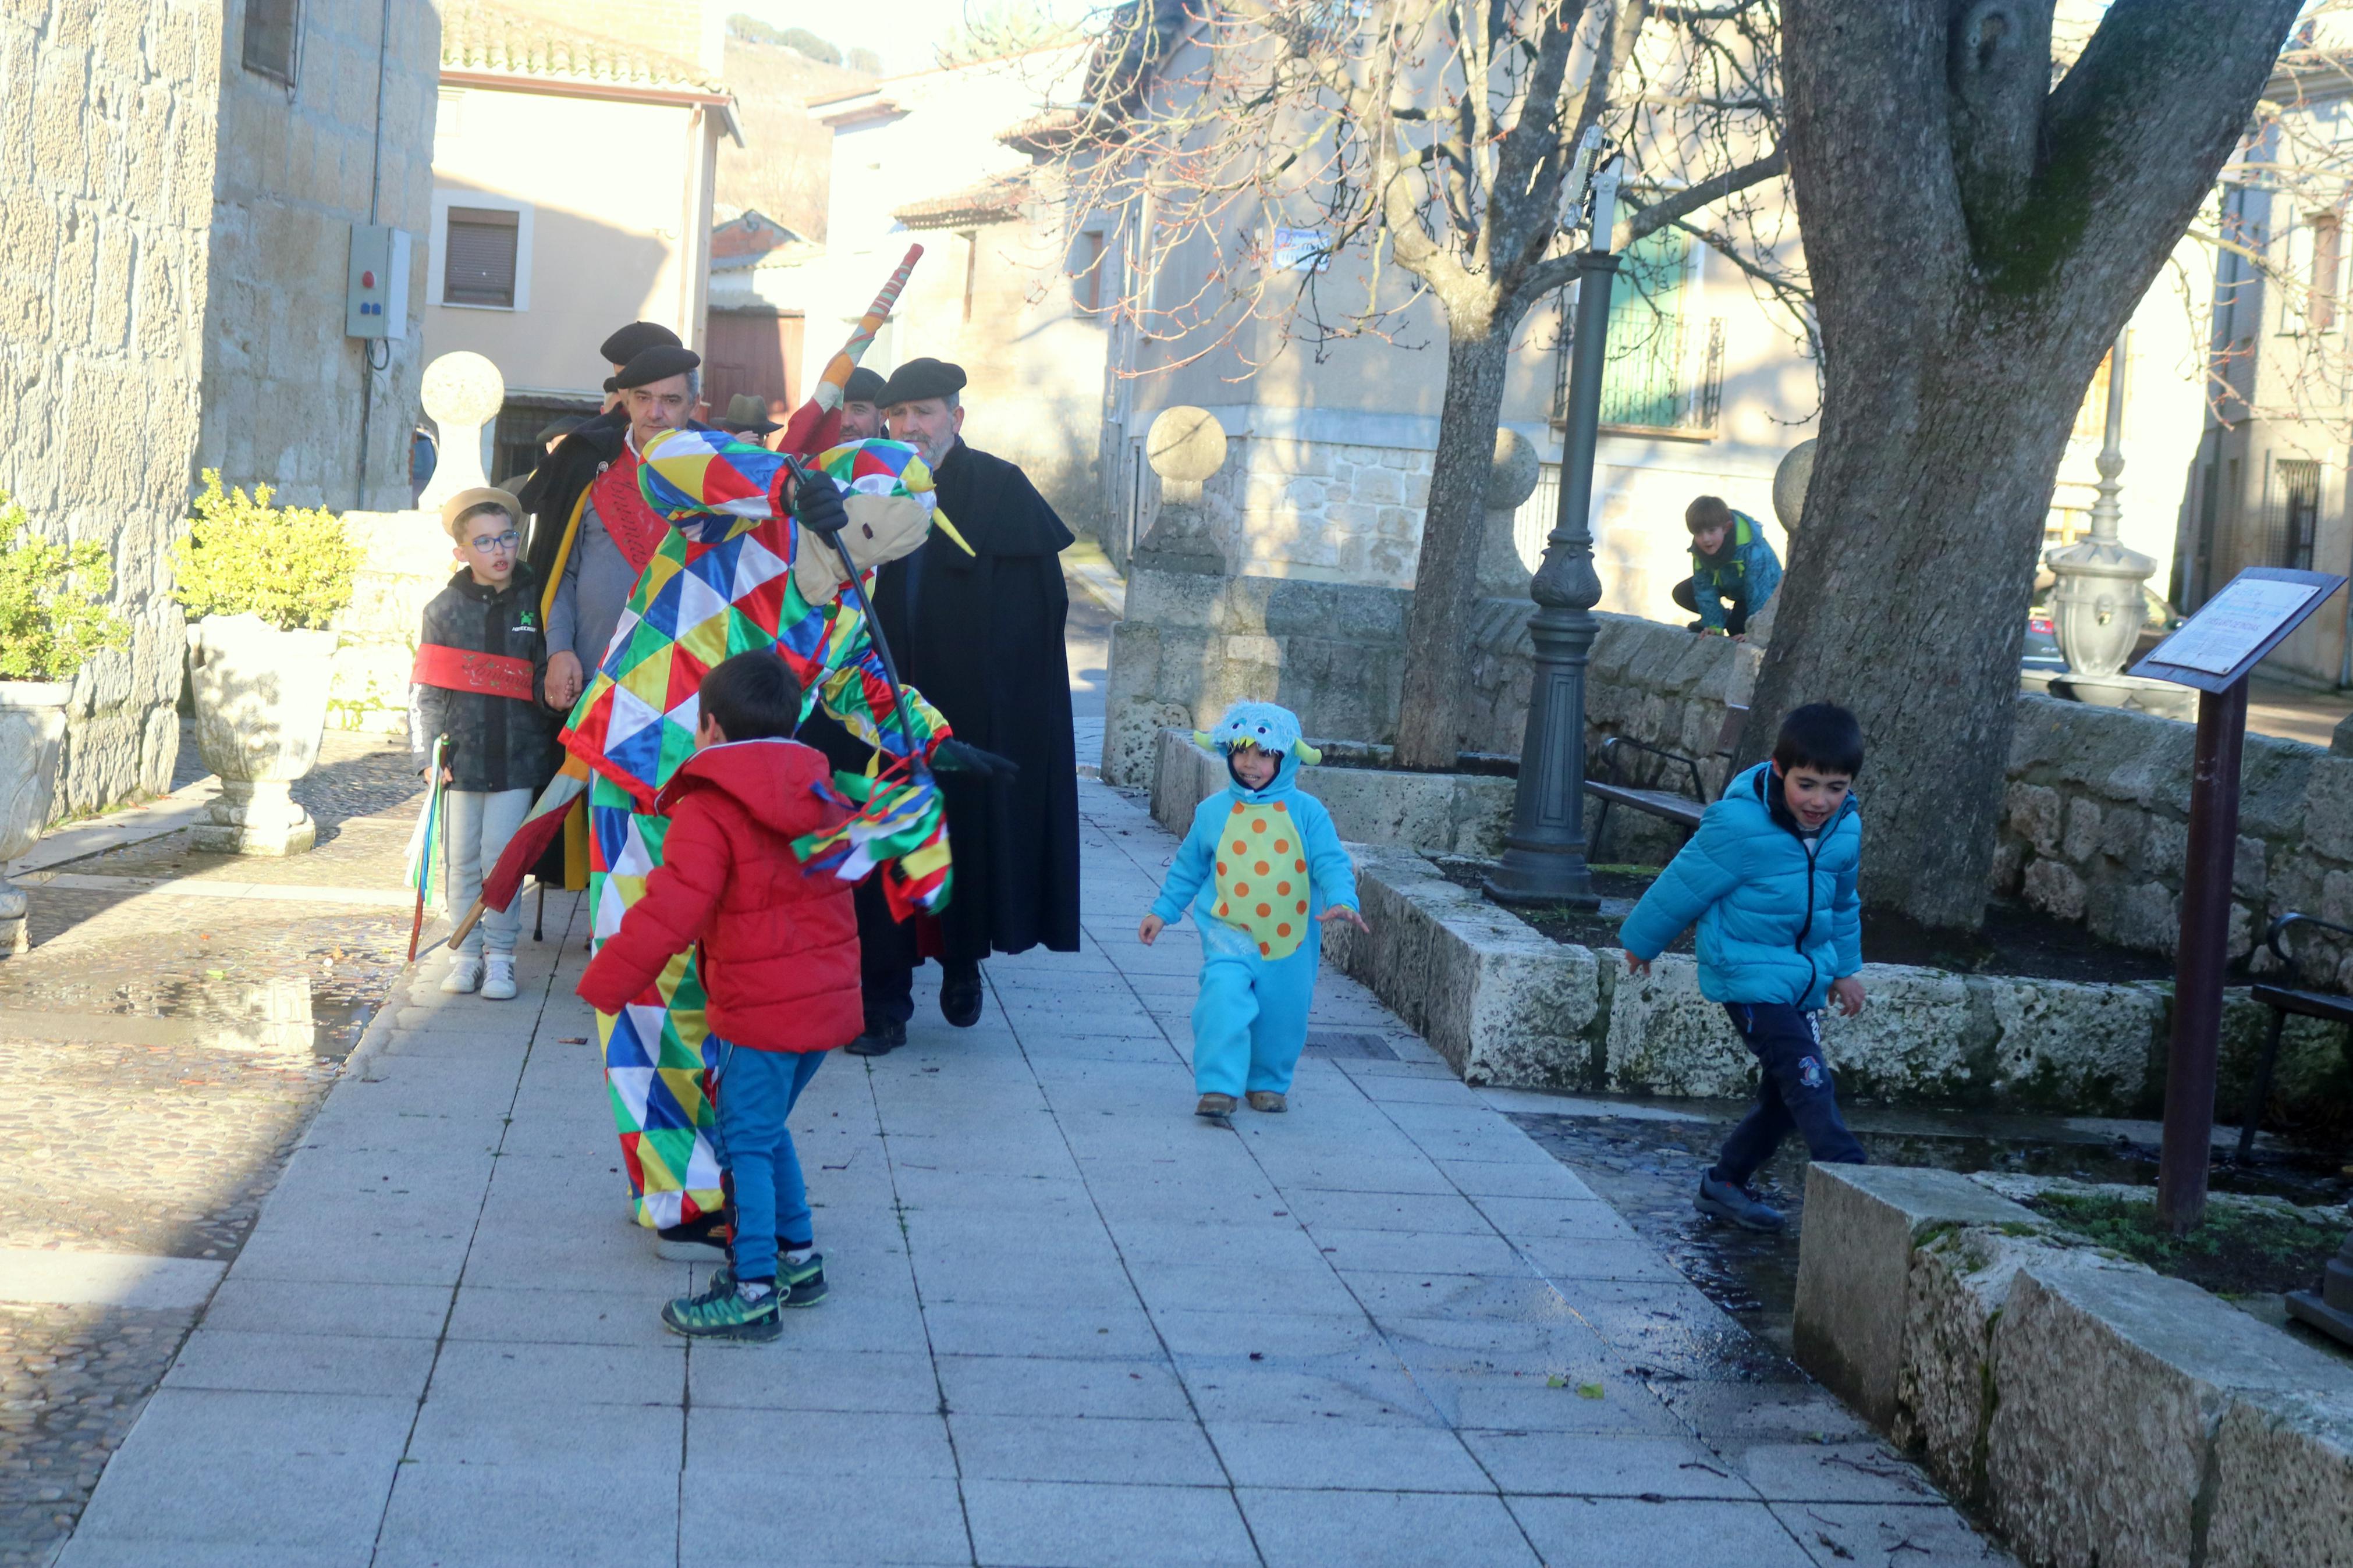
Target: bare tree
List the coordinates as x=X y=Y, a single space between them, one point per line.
x=1429 y=147
x=1975 y=237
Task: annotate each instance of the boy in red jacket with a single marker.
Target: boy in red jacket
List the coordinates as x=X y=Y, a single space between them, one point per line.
x=779 y=970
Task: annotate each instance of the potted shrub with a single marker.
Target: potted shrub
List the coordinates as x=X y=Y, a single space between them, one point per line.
x=259 y=583
x=53 y=615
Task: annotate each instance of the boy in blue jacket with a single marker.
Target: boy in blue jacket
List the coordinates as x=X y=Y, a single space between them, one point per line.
x=1268 y=868
x=1770 y=878
x=1734 y=569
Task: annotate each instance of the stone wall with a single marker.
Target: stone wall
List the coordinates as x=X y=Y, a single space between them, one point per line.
x=173 y=238
x=406 y=563
x=2093 y=829
x=106 y=132
x=285 y=393
x=2092 y=1411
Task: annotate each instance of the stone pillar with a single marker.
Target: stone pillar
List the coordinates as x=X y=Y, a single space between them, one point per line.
x=1184 y=446
x=1178 y=562
x=462 y=391
x=1509 y=482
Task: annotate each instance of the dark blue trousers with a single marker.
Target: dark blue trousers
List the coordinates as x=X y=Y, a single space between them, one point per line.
x=1795 y=1090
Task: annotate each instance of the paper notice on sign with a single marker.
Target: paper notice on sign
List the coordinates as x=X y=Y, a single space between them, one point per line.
x=2229 y=626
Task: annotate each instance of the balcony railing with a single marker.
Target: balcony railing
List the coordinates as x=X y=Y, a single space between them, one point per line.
x=1652 y=382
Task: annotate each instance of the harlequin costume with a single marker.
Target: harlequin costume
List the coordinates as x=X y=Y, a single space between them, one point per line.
x=1257 y=868
x=732 y=586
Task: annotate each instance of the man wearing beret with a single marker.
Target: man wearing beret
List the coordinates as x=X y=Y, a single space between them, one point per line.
x=862 y=406
x=981 y=636
x=571 y=543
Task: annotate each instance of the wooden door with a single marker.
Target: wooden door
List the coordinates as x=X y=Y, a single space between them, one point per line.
x=759 y=353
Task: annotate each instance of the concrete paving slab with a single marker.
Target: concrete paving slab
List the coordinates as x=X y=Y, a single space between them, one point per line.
x=465 y=1429
x=105 y=1279
x=1083 y=1448
x=1632 y=1534
x=1100 y=1388
x=562 y=1374
x=1392 y=1530
x=1592 y=1464
x=1329 y=1455
x=1862 y=1535
x=1061 y=1525
x=272 y=1362
x=780 y=1515
x=771 y=1378
x=523 y=1515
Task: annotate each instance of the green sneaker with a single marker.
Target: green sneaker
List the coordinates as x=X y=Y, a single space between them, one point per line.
x=721 y=1313
x=801 y=1284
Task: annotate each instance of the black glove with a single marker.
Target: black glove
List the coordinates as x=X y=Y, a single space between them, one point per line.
x=952 y=756
x=817 y=503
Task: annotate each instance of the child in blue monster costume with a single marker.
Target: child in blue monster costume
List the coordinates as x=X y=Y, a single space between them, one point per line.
x=1263 y=869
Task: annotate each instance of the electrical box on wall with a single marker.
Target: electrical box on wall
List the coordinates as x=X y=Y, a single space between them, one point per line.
x=375 y=298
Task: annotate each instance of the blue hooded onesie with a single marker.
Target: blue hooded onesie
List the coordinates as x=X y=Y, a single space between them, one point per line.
x=1258 y=867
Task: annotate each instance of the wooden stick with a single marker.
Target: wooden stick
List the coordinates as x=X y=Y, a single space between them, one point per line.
x=459 y=935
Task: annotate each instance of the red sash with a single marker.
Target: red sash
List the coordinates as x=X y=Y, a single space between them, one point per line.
x=634 y=527
x=462 y=669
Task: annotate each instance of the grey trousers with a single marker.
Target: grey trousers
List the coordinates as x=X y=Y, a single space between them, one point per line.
x=475 y=830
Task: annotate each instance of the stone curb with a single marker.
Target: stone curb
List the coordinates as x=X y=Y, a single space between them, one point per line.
x=2096 y=1411
x=1510 y=1007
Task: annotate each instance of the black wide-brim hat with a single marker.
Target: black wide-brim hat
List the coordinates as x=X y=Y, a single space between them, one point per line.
x=658 y=363
x=634 y=340
x=921 y=378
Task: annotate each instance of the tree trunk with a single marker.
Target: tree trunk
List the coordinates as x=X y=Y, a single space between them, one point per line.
x=1975 y=240
x=1906 y=603
x=1430 y=719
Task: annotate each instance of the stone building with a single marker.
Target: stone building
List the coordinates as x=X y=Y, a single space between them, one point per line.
x=2268 y=480
x=178 y=185
x=573 y=165
x=935 y=158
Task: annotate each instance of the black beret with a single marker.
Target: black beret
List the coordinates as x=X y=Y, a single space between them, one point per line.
x=921 y=378
x=864 y=387
x=612 y=383
x=563 y=426
x=634 y=340
x=658 y=363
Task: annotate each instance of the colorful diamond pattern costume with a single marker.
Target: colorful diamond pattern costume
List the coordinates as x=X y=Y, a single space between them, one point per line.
x=700 y=601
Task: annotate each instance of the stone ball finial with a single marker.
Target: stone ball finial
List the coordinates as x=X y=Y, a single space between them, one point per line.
x=1512 y=478
x=1790 y=481
x=1185 y=445
x=463 y=388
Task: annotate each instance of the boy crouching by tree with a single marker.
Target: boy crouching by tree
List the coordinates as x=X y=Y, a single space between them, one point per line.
x=779 y=947
x=481 y=662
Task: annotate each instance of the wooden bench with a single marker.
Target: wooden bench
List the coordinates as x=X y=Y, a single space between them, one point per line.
x=2283 y=1000
x=1668 y=806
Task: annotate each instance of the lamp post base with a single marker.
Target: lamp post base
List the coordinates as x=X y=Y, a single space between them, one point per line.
x=1530 y=878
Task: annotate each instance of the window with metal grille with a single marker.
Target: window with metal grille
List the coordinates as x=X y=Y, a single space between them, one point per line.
x=479 y=267
x=2299 y=482
x=273 y=35
x=2327 y=263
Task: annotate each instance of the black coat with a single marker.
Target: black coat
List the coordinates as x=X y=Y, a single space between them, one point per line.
x=554 y=487
x=985 y=645
x=495 y=743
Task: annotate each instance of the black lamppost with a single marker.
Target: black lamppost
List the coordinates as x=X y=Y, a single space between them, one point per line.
x=1543 y=858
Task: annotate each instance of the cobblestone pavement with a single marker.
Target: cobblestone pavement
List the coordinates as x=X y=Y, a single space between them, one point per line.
x=147 y=1104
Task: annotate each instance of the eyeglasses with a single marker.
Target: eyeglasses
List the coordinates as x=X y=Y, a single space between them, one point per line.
x=506 y=541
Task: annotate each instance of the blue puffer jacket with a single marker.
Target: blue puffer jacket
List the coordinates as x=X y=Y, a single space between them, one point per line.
x=1778 y=922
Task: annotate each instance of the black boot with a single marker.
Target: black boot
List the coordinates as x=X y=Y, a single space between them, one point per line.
x=883 y=1036
x=960 y=995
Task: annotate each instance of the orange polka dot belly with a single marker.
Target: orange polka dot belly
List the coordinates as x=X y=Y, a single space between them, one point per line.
x=1261 y=880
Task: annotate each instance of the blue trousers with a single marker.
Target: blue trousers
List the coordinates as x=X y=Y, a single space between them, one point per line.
x=758 y=1090
x=1250 y=1022
x=1795 y=1090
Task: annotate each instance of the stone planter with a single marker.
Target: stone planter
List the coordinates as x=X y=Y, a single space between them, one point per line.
x=261 y=702
x=32 y=735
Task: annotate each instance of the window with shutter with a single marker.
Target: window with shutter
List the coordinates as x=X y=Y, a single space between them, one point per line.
x=273 y=29
x=479 y=267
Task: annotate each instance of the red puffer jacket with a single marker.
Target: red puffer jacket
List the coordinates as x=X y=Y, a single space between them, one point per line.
x=779 y=943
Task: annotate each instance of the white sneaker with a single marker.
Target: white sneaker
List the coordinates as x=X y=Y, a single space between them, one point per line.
x=498 y=977
x=465 y=975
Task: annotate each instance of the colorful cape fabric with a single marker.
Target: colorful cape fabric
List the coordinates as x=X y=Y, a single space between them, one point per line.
x=698 y=602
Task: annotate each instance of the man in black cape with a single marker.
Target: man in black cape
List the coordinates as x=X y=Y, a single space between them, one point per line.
x=550 y=498
x=981 y=636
